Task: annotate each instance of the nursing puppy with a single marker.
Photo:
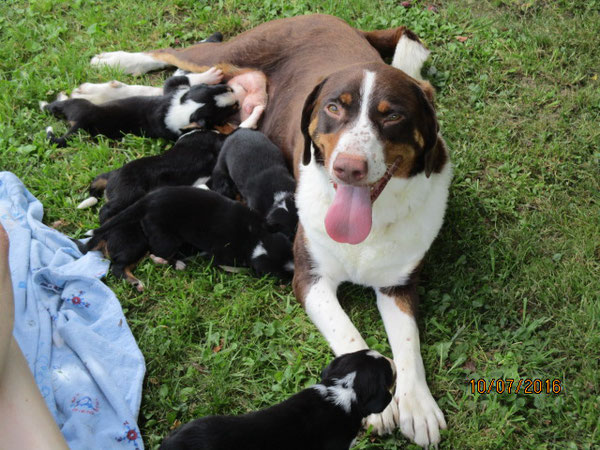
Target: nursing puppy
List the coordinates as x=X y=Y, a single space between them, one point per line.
x=326 y=416
x=193 y=156
x=251 y=165
x=173 y=218
x=181 y=106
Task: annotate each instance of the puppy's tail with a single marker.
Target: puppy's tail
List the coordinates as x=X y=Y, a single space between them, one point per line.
x=80 y=245
x=96 y=190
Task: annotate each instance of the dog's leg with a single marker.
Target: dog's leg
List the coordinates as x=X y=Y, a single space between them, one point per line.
x=324 y=309
x=413 y=407
x=252 y=121
x=318 y=296
x=135 y=63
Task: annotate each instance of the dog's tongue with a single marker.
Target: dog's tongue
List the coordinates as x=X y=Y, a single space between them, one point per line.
x=348 y=219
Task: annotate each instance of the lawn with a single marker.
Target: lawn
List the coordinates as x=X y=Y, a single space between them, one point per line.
x=510 y=288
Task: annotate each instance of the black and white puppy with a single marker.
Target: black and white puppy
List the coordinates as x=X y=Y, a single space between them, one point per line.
x=173 y=218
x=193 y=156
x=181 y=106
x=251 y=165
x=326 y=416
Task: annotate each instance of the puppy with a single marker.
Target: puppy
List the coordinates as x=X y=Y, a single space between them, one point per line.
x=251 y=165
x=193 y=156
x=173 y=218
x=181 y=106
x=192 y=159
x=326 y=416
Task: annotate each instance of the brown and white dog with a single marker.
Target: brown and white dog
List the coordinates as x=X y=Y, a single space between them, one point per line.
x=372 y=170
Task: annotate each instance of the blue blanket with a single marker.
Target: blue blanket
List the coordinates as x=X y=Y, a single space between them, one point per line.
x=71 y=329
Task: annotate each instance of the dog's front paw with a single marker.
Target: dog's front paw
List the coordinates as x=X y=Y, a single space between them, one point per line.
x=420 y=417
x=384 y=422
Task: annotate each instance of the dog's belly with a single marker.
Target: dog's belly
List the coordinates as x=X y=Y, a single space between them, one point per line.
x=406 y=219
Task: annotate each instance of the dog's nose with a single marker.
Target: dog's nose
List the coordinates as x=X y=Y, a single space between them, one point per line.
x=350 y=168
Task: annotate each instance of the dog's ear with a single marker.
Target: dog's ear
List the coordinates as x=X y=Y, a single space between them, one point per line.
x=433 y=148
x=307 y=111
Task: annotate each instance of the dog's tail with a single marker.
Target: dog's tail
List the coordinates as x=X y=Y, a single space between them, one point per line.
x=131 y=214
x=96 y=190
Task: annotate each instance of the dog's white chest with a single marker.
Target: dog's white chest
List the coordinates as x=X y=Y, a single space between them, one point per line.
x=407 y=216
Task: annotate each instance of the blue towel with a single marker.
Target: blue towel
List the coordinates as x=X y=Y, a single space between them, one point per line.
x=71 y=329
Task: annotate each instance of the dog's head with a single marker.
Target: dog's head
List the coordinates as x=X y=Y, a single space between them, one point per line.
x=364 y=125
x=273 y=255
x=216 y=103
x=361 y=382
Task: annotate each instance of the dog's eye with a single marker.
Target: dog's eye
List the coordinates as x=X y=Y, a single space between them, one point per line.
x=393 y=118
x=333 y=109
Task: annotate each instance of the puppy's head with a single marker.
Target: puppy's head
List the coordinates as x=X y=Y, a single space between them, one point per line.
x=273 y=255
x=218 y=103
x=283 y=215
x=361 y=382
x=365 y=125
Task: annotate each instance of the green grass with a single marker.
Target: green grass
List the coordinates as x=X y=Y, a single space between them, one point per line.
x=509 y=289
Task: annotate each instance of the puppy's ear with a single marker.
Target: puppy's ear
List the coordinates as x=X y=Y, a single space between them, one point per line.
x=307 y=111
x=376 y=403
x=372 y=393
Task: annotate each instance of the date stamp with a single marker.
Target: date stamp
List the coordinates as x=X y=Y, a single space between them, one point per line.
x=522 y=386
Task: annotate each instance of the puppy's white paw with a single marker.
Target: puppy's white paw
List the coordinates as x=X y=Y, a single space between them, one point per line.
x=180 y=265
x=420 y=417
x=158 y=260
x=384 y=422
x=42 y=105
x=88 y=202
x=61 y=97
x=213 y=76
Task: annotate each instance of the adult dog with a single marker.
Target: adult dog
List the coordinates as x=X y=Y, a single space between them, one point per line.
x=373 y=176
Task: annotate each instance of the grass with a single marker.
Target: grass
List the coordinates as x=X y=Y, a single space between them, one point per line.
x=511 y=286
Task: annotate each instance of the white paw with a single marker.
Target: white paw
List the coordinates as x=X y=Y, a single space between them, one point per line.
x=180 y=265
x=415 y=412
x=158 y=260
x=61 y=97
x=42 y=105
x=420 y=417
x=211 y=76
x=88 y=202
x=384 y=422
